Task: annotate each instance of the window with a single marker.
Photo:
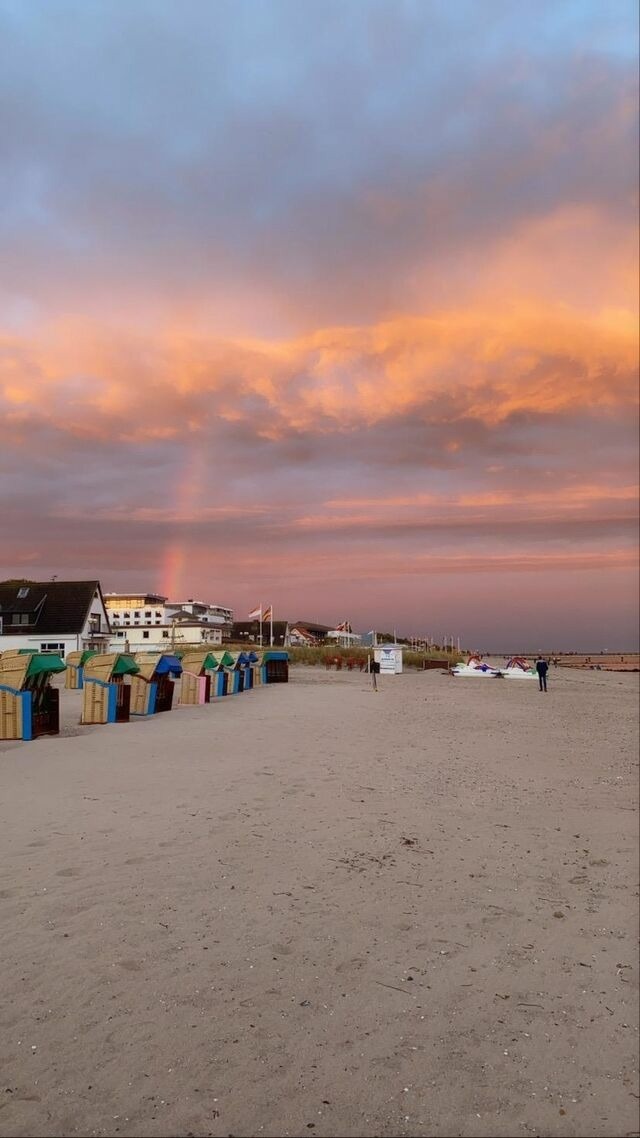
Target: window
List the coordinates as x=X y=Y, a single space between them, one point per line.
x=159 y=614
x=20 y=618
x=59 y=648
x=148 y=613
x=94 y=622
x=165 y=635
x=136 y=614
x=24 y=592
x=126 y=614
x=145 y=635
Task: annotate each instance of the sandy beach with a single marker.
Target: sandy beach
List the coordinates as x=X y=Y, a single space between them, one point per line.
x=317 y=909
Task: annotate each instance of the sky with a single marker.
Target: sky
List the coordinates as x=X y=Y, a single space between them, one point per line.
x=329 y=305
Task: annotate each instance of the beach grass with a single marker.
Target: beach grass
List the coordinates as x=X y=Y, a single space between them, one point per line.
x=319 y=655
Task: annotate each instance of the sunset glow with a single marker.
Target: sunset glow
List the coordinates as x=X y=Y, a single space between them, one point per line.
x=333 y=305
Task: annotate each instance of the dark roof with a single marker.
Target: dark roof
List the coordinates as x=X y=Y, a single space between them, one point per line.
x=303 y=631
x=249 y=630
x=186 y=618
x=182 y=614
x=254 y=625
x=54 y=607
x=314 y=629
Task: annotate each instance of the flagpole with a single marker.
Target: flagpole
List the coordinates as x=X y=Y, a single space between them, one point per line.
x=260 y=619
x=271 y=626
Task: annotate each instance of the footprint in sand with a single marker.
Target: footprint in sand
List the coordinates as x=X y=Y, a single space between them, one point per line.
x=356 y=963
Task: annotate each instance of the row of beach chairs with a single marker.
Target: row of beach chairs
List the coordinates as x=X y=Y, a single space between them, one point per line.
x=117 y=686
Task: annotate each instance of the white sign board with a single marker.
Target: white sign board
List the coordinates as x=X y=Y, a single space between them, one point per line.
x=389 y=658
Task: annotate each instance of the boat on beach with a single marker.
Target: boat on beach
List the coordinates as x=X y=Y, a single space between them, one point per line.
x=476 y=667
x=517 y=668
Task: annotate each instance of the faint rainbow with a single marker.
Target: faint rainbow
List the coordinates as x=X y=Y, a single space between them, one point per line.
x=189 y=496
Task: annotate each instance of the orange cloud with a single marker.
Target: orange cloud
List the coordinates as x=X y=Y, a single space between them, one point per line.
x=572 y=497
x=479 y=362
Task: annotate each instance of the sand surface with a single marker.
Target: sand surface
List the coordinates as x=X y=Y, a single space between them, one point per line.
x=315 y=909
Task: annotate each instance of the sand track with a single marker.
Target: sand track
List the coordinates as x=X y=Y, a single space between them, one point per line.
x=316 y=909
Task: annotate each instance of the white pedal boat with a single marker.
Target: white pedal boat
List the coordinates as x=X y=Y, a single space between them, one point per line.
x=476 y=667
x=517 y=669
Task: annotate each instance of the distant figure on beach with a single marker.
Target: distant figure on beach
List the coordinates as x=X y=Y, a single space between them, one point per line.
x=542 y=667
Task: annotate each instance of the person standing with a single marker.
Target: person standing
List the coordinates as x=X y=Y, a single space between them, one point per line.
x=542 y=667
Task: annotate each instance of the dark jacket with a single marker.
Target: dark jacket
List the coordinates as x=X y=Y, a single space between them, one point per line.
x=542 y=667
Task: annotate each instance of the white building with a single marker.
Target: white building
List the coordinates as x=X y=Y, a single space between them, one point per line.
x=300 y=637
x=152 y=610
x=209 y=614
x=345 y=639
x=160 y=638
x=53 y=616
x=131 y=610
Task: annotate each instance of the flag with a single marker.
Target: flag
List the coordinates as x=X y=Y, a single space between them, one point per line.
x=256 y=614
x=344 y=627
x=268 y=613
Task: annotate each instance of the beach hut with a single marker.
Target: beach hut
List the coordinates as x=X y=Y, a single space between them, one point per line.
x=253 y=662
x=153 y=686
x=256 y=670
x=243 y=665
x=198 y=671
x=222 y=679
x=275 y=667
x=235 y=672
x=107 y=694
x=75 y=662
x=29 y=705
